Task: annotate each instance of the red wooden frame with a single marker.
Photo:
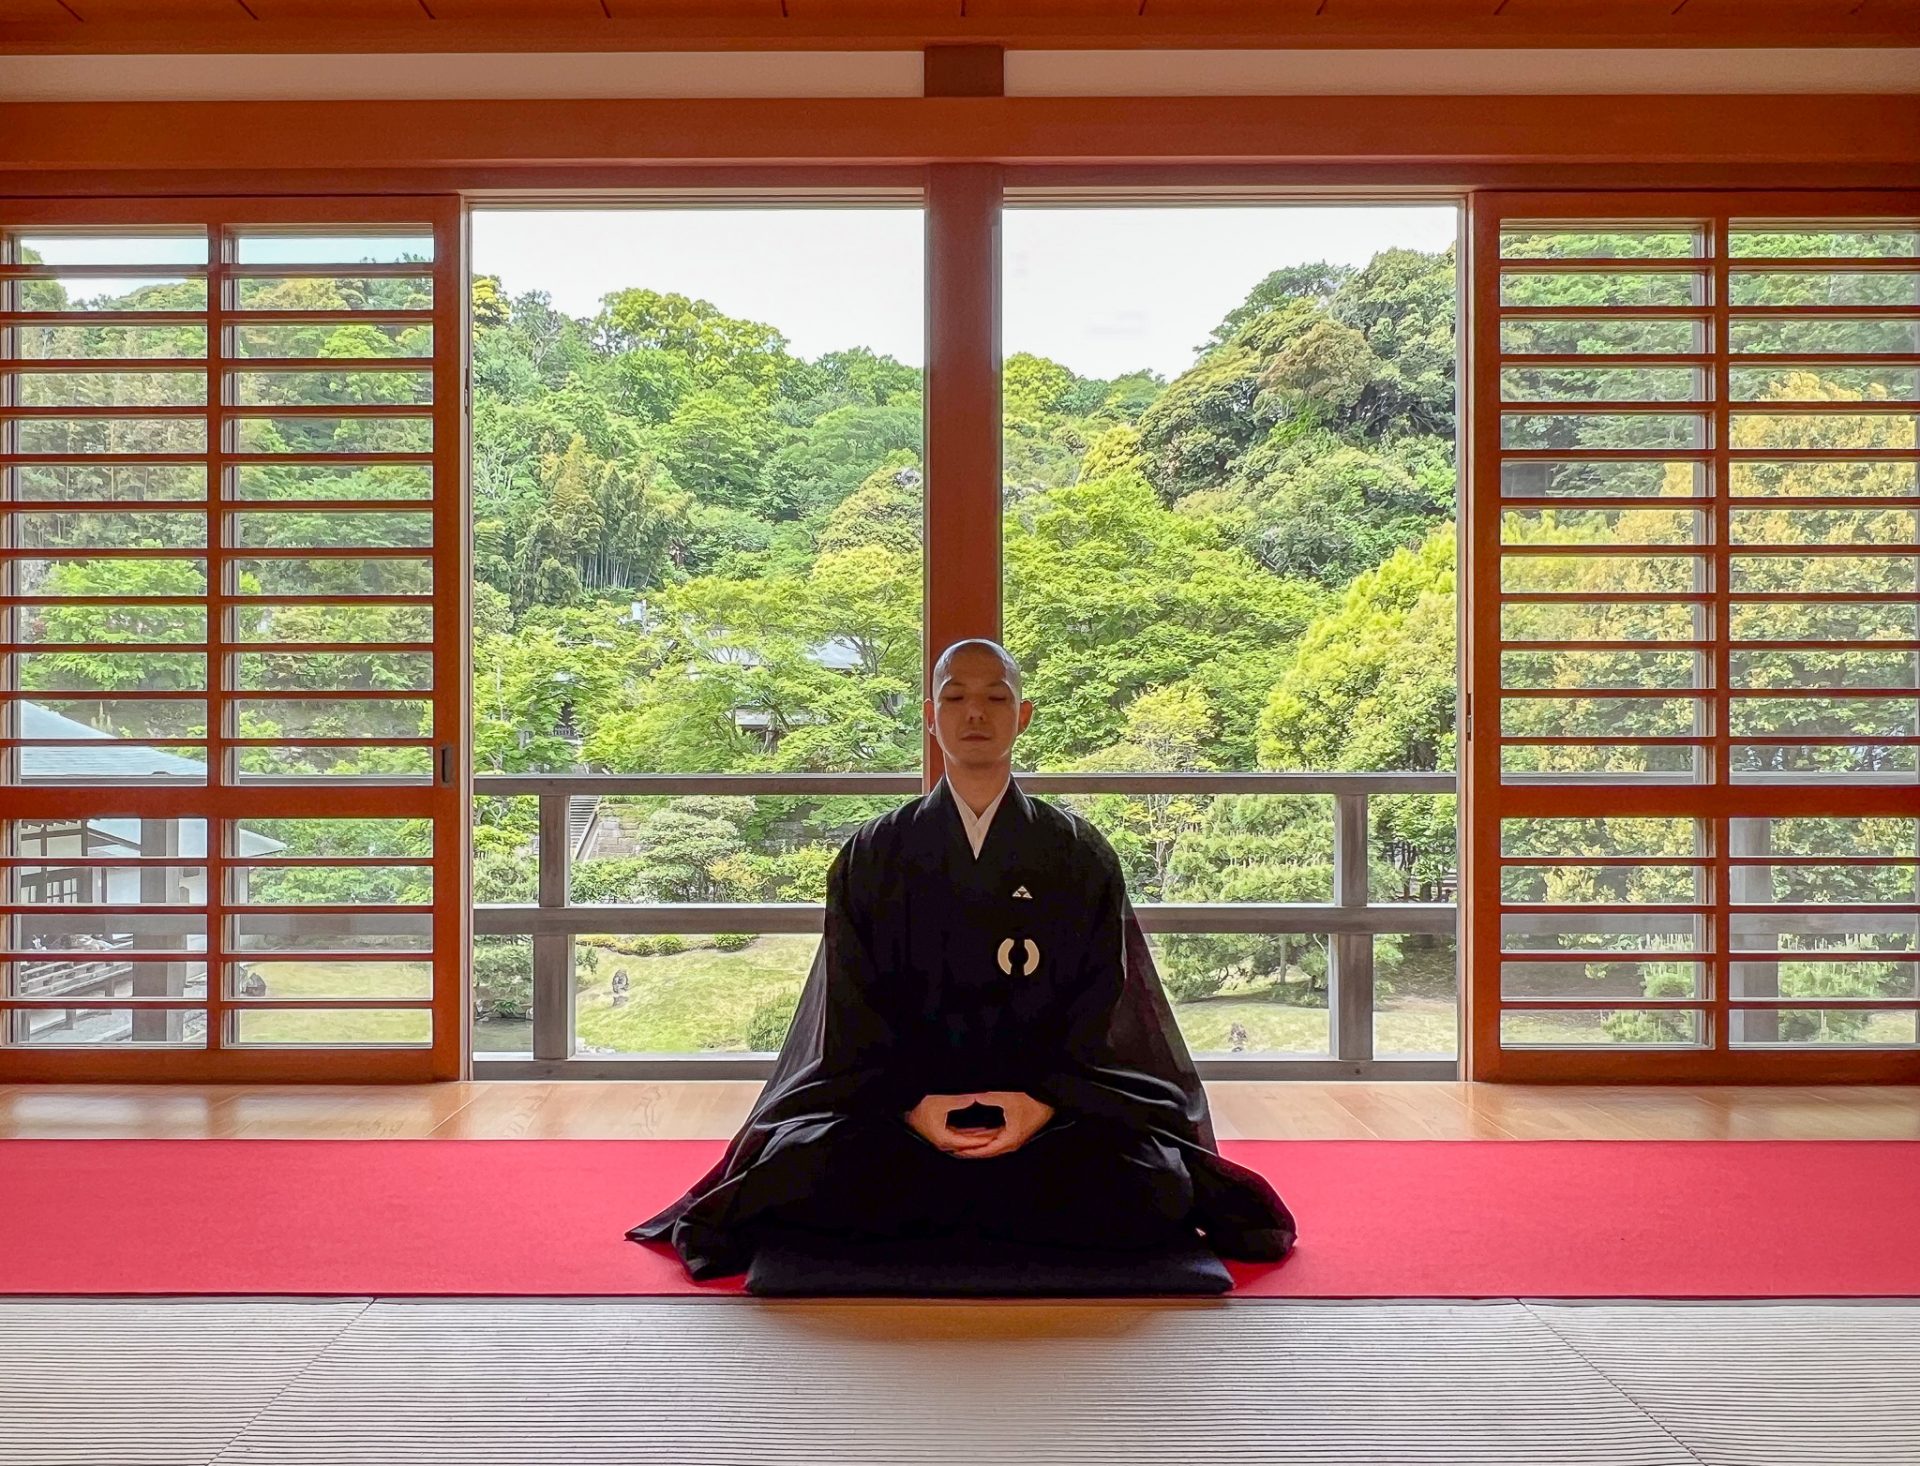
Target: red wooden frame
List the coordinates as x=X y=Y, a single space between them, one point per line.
x=1712 y=804
x=443 y=800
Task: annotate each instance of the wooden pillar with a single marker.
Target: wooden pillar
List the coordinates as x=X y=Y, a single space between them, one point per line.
x=962 y=562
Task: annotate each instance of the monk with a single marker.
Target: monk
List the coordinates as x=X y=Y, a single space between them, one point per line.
x=982 y=1047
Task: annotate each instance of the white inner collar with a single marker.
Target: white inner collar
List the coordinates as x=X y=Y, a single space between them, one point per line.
x=976 y=824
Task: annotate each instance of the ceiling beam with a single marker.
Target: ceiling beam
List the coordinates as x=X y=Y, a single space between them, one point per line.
x=1813 y=130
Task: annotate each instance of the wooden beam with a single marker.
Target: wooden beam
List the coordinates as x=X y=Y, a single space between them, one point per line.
x=278 y=138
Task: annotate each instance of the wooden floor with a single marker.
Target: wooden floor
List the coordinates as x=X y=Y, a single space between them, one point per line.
x=501 y=1109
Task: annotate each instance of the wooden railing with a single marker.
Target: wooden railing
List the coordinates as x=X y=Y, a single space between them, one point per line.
x=1351 y=918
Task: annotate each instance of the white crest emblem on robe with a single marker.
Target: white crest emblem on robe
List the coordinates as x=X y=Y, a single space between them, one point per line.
x=1006 y=956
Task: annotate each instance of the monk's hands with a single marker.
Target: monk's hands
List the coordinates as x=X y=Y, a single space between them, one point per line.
x=928 y=1120
x=1026 y=1117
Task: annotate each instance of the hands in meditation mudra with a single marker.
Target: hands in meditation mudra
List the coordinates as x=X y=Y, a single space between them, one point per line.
x=967 y=1127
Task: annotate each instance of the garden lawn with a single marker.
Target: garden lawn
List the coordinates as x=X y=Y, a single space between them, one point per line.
x=690 y=1002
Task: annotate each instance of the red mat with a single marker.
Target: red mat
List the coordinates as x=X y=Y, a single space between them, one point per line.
x=1378 y=1218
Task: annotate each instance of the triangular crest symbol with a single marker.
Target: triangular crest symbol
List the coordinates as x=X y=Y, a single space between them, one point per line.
x=1023 y=893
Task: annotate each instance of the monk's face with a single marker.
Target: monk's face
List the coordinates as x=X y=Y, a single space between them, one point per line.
x=974 y=714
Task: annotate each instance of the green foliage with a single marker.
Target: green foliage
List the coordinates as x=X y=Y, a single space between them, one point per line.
x=768 y=1024
x=1372 y=682
x=502 y=979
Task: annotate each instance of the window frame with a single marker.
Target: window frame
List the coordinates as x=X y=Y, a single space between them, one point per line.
x=441 y=796
x=1712 y=803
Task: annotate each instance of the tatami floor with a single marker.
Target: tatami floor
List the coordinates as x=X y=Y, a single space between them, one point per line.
x=714 y=1110
x=707 y=1382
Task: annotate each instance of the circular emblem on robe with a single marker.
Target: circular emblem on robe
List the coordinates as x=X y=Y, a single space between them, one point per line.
x=1031 y=953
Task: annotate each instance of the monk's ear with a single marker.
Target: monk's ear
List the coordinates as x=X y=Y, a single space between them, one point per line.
x=1026 y=715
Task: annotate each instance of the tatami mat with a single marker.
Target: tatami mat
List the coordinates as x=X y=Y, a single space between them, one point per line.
x=538 y=1383
x=1774 y=1384
x=97 y=1383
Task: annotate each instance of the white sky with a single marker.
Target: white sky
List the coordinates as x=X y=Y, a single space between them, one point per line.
x=1104 y=291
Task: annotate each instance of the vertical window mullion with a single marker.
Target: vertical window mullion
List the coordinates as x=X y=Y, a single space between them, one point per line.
x=1720 y=966
x=219 y=629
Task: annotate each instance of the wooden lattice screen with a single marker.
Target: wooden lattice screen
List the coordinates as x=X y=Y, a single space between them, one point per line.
x=1695 y=576
x=230 y=628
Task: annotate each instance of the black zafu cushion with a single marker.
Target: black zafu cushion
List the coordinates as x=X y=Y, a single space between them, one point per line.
x=794 y=1265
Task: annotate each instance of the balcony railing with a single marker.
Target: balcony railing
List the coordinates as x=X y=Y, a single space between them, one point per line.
x=1351 y=919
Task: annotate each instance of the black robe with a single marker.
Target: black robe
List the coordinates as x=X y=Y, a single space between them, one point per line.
x=941 y=973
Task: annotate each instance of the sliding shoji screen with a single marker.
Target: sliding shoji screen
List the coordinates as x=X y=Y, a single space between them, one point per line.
x=231 y=829
x=1695 y=716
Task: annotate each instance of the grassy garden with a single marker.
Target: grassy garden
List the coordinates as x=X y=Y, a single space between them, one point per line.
x=702 y=999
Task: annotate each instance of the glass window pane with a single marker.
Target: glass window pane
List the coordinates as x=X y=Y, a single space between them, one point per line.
x=1603 y=335
x=1589 y=430
x=175 y=340
x=333 y=293
x=1609 y=241
x=1600 y=620
x=110 y=389
x=1865 y=335
x=1603 y=384
x=318 y=530
x=107 y=1027
x=334 y=575
x=1597 y=981
x=1602 y=575
x=1822 y=430
x=1646 y=478
x=1823 y=383
x=127 y=437
x=338 y=385
x=333 y=481
x=330 y=838
x=333 y=1027
x=179 y=529
x=1600 y=288
x=1601 y=1028
x=88 y=293
x=334 y=435
x=254 y=246
x=1572 y=526
x=1824 y=287
x=1885 y=1028
x=1800 y=239
x=1831 y=477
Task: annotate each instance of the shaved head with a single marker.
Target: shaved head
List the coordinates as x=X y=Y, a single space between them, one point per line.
x=978 y=644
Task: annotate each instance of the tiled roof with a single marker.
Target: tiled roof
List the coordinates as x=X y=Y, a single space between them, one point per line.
x=107 y=757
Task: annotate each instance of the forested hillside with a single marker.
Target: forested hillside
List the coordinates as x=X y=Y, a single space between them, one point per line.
x=1248 y=566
